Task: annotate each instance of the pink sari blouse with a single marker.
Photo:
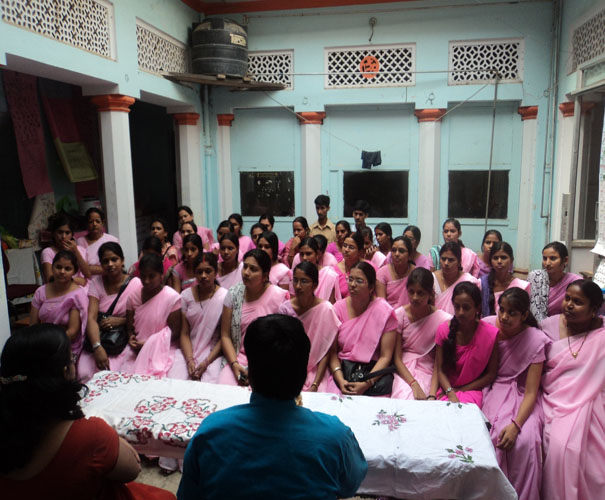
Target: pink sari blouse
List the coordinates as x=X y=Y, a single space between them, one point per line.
x=471 y=359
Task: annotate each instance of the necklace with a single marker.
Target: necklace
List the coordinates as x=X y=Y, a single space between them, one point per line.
x=199 y=296
x=575 y=354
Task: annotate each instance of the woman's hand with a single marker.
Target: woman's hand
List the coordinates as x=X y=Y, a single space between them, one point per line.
x=356 y=388
x=134 y=343
x=452 y=396
x=240 y=373
x=101 y=359
x=200 y=369
x=111 y=322
x=191 y=368
x=418 y=392
x=313 y=387
x=70 y=245
x=507 y=437
x=370 y=251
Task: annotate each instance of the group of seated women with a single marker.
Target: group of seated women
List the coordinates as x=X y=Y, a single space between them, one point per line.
x=383 y=321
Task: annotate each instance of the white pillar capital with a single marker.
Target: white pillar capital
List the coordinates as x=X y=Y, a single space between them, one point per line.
x=117 y=170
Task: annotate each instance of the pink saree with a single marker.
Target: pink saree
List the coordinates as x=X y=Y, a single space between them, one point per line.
x=321 y=326
x=92 y=249
x=57 y=309
x=181 y=270
x=523 y=463
x=397 y=293
x=359 y=338
x=443 y=299
x=204 y=320
x=280 y=274
x=423 y=261
x=574 y=415
x=557 y=293
x=516 y=282
x=233 y=278
x=86 y=363
x=328 y=283
x=418 y=345
x=333 y=249
x=471 y=360
x=470 y=262
x=157 y=354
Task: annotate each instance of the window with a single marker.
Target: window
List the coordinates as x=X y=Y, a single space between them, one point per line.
x=386 y=192
x=468 y=193
x=267 y=192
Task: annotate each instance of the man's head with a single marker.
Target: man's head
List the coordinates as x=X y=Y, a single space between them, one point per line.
x=322 y=206
x=277 y=348
x=361 y=210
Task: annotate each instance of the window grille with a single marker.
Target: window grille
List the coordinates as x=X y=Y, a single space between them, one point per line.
x=158 y=52
x=588 y=40
x=370 y=66
x=472 y=62
x=273 y=67
x=85 y=24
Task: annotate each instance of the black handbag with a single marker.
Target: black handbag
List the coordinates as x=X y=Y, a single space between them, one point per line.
x=113 y=340
x=360 y=372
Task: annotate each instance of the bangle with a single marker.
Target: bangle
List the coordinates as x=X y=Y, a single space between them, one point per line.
x=334 y=370
x=232 y=363
x=414 y=381
x=516 y=424
x=448 y=390
x=96 y=345
x=315 y=384
x=430 y=396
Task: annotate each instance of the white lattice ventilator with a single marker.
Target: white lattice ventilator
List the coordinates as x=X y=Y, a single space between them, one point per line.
x=589 y=40
x=370 y=66
x=86 y=24
x=158 y=52
x=473 y=61
x=273 y=66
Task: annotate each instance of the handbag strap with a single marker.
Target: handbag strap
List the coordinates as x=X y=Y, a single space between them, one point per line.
x=109 y=311
x=378 y=373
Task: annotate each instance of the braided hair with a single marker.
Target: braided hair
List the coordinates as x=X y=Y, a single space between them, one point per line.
x=449 y=346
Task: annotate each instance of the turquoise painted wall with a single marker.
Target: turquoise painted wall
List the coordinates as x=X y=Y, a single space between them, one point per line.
x=382 y=118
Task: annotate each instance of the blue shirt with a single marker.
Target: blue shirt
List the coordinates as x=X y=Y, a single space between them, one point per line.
x=271 y=449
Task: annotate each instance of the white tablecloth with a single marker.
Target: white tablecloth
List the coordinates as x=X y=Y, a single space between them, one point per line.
x=415 y=449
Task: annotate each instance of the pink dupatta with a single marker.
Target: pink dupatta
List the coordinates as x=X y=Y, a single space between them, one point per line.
x=443 y=299
x=396 y=289
x=418 y=344
x=574 y=416
x=321 y=325
x=557 y=293
x=471 y=359
x=469 y=262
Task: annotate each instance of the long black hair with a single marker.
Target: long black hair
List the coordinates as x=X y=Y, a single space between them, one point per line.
x=34 y=391
x=449 y=346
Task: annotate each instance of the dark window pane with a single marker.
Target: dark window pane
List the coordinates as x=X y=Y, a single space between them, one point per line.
x=468 y=193
x=386 y=192
x=267 y=192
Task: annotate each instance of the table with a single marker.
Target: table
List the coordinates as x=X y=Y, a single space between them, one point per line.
x=414 y=449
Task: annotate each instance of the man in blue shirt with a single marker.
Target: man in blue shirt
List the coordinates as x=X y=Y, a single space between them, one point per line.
x=271 y=448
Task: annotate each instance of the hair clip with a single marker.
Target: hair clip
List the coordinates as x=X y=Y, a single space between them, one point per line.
x=14 y=378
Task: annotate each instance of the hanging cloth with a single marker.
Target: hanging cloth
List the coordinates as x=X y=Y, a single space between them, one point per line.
x=370 y=159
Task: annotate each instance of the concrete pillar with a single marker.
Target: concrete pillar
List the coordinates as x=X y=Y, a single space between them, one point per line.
x=224 y=164
x=310 y=160
x=117 y=170
x=429 y=171
x=189 y=165
x=526 y=192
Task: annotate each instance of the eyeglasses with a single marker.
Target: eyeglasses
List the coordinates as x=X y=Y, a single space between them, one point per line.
x=357 y=281
x=302 y=281
x=345 y=246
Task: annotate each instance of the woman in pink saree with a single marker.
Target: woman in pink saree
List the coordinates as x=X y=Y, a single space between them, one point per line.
x=452 y=231
x=415 y=347
x=548 y=285
x=327 y=287
x=392 y=278
x=318 y=318
x=343 y=229
x=449 y=275
x=466 y=359
x=229 y=266
x=352 y=251
x=574 y=397
x=366 y=334
x=62 y=302
x=94 y=239
x=413 y=234
x=102 y=292
x=192 y=247
x=153 y=321
x=280 y=274
x=490 y=237
x=199 y=357
x=245 y=302
x=185 y=214
x=513 y=402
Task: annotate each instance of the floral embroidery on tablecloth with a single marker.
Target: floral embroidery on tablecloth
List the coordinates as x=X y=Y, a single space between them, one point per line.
x=392 y=420
x=199 y=408
x=101 y=384
x=178 y=433
x=459 y=405
x=461 y=453
x=158 y=404
x=137 y=430
x=341 y=398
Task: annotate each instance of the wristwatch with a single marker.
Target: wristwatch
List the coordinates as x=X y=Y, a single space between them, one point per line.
x=95 y=345
x=448 y=390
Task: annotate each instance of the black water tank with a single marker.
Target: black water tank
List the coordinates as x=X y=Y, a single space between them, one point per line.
x=220 y=46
